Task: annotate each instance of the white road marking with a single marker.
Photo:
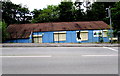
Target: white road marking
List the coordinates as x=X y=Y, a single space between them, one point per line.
x=24 y=56
x=97 y=55
x=111 y=49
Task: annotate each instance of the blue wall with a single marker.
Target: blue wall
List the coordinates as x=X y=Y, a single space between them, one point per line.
x=71 y=37
x=48 y=37
x=19 y=41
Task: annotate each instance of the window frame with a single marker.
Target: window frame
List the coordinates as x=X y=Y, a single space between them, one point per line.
x=85 y=31
x=37 y=37
x=105 y=31
x=58 y=35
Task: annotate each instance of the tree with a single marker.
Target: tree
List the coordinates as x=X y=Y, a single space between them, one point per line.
x=49 y=14
x=66 y=13
x=13 y=13
x=36 y=13
x=116 y=17
x=23 y=15
x=8 y=12
x=3 y=27
x=78 y=12
x=97 y=12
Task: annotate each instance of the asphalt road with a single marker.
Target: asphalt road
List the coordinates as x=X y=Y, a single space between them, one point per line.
x=60 y=60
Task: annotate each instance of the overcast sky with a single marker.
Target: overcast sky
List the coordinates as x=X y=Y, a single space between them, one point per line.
x=37 y=4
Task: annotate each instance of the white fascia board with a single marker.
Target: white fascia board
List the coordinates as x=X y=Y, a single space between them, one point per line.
x=37 y=35
x=60 y=32
x=105 y=30
x=77 y=31
x=82 y=31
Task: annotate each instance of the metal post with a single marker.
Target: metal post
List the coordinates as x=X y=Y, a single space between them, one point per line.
x=109 y=16
x=111 y=33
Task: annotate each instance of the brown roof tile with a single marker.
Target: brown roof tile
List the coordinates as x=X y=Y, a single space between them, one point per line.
x=24 y=30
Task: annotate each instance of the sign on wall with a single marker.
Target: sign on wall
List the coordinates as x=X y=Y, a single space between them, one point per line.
x=97 y=33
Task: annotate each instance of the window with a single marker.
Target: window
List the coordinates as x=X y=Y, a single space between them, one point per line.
x=97 y=33
x=105 y=33
x=59 y=36
x=37 y=38
x=82 y=35
x=55 y=37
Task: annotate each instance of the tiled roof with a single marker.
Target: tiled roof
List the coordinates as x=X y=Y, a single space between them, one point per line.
x=24 y=30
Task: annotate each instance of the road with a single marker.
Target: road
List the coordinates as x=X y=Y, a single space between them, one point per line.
x=60 y=60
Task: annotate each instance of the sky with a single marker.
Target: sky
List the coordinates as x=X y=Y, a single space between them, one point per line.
x=37 y=4
x=40 y=4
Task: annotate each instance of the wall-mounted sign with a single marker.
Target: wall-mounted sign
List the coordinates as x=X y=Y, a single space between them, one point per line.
x=97 y=33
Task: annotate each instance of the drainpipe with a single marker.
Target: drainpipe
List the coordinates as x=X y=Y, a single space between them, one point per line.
x=32 y=36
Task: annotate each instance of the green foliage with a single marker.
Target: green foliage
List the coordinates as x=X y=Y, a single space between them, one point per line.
x=116 y=17
x=24 y=15
x=78 y=12
x=3 y=27
x=13 y=13
x=97 y=12
x=66 y=13
x=8 y=12
x=49 y=14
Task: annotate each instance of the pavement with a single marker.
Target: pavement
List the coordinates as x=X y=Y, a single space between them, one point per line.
x=60 y=60
x=59 y=45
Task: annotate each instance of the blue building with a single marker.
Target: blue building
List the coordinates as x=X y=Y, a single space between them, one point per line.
x=59 y=32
